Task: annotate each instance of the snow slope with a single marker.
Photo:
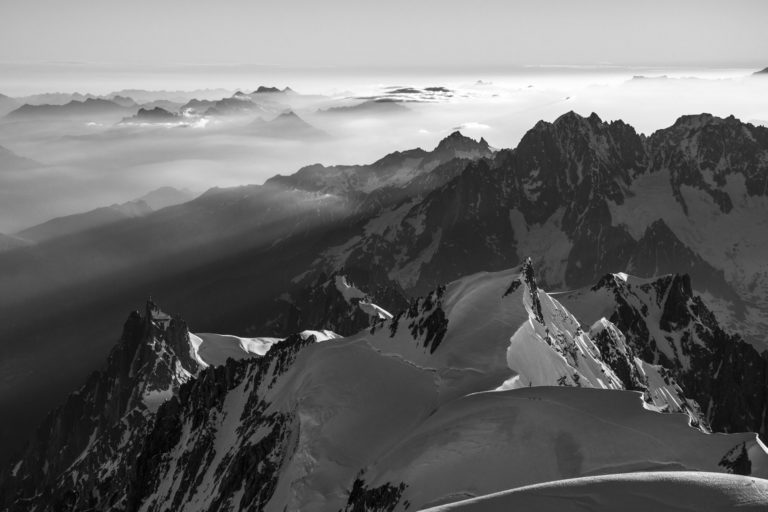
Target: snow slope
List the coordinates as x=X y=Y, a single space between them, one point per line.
x=665 y=323
x=634 y=492
x=501 y=331
x=429 y=407
x=214 y=349
x=488 y=442
x=406 y=414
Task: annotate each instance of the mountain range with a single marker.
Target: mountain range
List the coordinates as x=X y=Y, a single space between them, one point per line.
x=377 y=106
x=106 y=215
x=393 y=417
x=404 y=277
x=75 y=108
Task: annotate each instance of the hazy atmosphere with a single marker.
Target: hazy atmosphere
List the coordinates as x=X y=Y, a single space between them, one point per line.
x=383 y=256
x=504 y=65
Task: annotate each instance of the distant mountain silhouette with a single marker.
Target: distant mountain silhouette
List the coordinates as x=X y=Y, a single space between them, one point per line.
x=262 y=89
x=143 y=96
x=287 y=125
x=100 y=217
x=154 y=115
x=170 y=106
x=761 y=72
x=89 y=107
x=238 y=104
x=54 y=98
x=377 y=107
x=123 y=101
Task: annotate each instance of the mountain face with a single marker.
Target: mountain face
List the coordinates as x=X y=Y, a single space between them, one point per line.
x=180 y=246
x=104 y=216
x=423 y=407
x=665 y=323
x=584 y=198
x=103 y=423
x=581 y=196
x=398 y=169
x=335 y=303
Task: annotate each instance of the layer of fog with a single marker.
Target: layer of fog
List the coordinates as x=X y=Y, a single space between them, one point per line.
x=87 y=163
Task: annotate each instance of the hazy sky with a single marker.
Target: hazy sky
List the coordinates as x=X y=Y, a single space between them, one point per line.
x=442 y=33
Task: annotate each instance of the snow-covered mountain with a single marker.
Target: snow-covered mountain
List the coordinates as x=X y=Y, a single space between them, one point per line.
x=583 y=198
x=83 y=452
x=73 y=109
x=483 y=385
x=666 y=324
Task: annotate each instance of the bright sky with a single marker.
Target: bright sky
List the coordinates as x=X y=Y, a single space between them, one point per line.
x=441 y=33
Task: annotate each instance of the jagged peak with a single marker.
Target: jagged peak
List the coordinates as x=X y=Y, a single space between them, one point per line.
x=601 y=136
x=527 y=277
x=262 y=89
x=154 y=312
x=698 y=121
x=288 y=114
x=458 y=141
x=622 y=280
x=424 y=318
x=571 y=117
x=603 y=324
x=454 y=136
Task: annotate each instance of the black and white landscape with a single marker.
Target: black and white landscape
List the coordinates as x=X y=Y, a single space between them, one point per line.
x=413 y=257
